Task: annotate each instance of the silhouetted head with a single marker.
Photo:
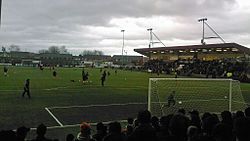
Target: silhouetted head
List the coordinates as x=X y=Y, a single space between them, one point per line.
x=178 y=125
x=136 y=123
x=194 y=112
x=226 y=115
x=182 y=111
x=209 y=123
x=130 y=120
x=70 y=137
x=41 y=130
x=144 y=117
x=22 y=132
x=247 y=112
x=115 y=127
x=154 y=120
x=165 y=120
x=99 y=126
x=206 y=115
x=239 y=114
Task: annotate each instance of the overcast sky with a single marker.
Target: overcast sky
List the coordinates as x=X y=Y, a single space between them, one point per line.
x=97 y=24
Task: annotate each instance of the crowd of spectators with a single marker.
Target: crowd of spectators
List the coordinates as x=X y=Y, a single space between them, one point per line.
x=239 y=70
x=181 y=126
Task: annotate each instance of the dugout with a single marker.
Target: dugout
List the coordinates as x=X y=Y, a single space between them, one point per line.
x=206 y=52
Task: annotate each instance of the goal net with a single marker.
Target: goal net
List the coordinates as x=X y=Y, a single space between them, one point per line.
x=167 y=95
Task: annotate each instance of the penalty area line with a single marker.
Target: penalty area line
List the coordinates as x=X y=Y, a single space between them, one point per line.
x=54 y=116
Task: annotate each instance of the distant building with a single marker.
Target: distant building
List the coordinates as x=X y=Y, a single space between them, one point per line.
x=104 y=58
x=127 y=60
x=68 y=60
x=51 y=59
x=15 y=57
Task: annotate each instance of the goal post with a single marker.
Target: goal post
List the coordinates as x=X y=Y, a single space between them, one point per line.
x=167 y=95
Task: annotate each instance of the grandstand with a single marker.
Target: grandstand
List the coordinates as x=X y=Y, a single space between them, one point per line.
x=207 y=52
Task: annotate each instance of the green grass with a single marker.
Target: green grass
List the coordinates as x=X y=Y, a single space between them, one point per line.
x=46 y=91
x=15 y=111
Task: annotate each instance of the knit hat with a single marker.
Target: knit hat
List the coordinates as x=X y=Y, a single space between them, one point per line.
x=84 y=126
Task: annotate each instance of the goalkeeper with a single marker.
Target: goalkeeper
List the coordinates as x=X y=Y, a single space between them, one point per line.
x=171 y=99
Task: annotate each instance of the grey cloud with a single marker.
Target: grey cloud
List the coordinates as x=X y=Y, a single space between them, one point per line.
x=42 y=23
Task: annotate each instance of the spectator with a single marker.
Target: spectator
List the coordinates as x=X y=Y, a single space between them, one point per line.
x=170 y=128
x=222 y=132
x=114 y=132
x=85 y=132
x=144 y=131
x=70 y=137
x=205 y=115
x=195 y=119
x=41 y=131
x=208 y=124
x=239 y=114
x=101 y=132
x=247 y=112
x=192 y=133
x=136 y=123
x=178 y=127
x=21 y=133
x=163 y=134
x=130 y=128
x=155 y=123
x=227 y=118
x=8 y=136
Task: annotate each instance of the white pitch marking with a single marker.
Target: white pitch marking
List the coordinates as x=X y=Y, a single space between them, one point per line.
x=99 y=105
x=54 y=117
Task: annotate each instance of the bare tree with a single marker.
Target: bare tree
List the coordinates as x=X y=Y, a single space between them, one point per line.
x=14 y=48
x=92 y=52
x=43 y=51
x=63 y=50
x=54 y=50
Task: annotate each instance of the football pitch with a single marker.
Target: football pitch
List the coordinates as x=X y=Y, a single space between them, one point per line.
x=69 y=100
x=65 y=101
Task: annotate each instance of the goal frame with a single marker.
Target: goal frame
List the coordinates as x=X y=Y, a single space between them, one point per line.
x=192 y=79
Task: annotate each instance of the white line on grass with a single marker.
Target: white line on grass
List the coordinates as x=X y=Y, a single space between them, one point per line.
x=54 y=117
x=240 y=102
x=194 y=79
x=76 y=125
x=56 y=88
x=98 y=105
x=196 y=100
x=121 y=121
x=10 y=90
